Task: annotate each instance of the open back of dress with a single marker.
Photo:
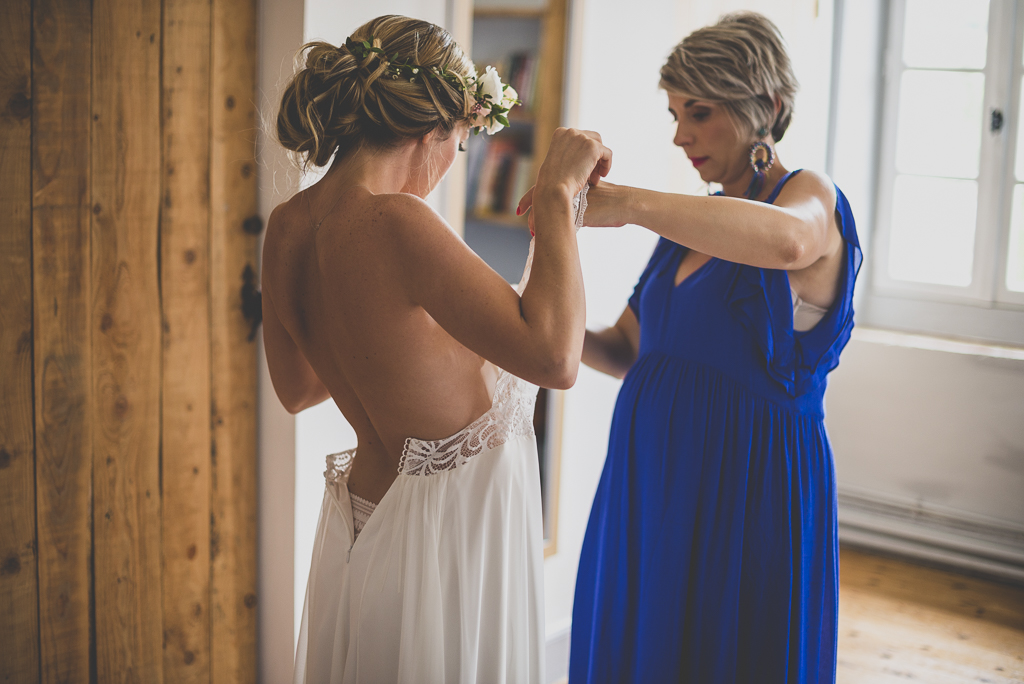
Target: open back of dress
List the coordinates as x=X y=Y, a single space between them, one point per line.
x=445 y=581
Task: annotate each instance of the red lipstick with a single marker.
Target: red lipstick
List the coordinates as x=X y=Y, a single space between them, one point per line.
x=697 y=161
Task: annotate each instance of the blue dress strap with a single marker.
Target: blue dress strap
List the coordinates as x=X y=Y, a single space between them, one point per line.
x=774 y=194
x=760 y=299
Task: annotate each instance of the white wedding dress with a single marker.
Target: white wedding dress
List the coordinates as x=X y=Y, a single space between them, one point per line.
x=445 y=581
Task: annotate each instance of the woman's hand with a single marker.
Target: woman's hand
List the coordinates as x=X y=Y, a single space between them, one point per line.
x=574 y=159
x=607 y=205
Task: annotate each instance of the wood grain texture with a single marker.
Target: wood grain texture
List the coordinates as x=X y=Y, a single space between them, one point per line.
x=185 y=407
x=233 y=232
x=551 y=77
x=62 y=44
x=19 y=591
x=125 y=324
x=900 y=622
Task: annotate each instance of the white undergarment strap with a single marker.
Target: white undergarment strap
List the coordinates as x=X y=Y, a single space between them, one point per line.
x=361 y=512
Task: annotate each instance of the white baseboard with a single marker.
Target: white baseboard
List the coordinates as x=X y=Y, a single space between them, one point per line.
x=556 y=653
x=954 y=538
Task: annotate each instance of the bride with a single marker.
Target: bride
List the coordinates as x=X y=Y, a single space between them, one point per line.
x=427 y=565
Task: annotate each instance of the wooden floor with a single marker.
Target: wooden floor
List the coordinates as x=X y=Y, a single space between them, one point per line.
x=900 y=622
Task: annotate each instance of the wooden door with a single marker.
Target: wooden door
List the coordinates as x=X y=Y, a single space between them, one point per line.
x=127 y=419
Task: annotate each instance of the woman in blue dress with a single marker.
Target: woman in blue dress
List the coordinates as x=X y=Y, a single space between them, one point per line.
x=711 y=553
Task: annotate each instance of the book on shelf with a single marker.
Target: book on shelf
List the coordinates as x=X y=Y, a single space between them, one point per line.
x=522 y=181
x=522 y=77
x=519 y=70
x=505 y=174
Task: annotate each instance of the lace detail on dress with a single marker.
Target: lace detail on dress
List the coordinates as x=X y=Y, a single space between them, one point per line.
x=510 y=416
x=338 y=466
x=361 y=512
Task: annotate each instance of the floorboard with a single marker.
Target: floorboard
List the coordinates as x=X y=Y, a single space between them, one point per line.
x=901 y=622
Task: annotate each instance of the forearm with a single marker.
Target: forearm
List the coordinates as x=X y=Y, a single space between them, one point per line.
x=733 y=229
x=608 y=351
x=552 y=304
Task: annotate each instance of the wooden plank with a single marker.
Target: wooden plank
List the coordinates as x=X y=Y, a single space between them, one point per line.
x=551 y=78
x=233 y=232
x=125 y=326
x=899 y=621
x=185 y=408
x=62 y=42
x=19 y=592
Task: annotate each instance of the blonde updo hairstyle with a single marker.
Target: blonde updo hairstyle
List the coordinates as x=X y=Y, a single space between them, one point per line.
x=741 y=64
x=338 y=101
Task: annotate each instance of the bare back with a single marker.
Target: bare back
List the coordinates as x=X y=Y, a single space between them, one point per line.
x=370 y=298
x=338 y=292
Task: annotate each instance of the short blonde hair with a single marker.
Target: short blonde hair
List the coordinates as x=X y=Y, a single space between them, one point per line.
x=339 y=100
x=741 y=63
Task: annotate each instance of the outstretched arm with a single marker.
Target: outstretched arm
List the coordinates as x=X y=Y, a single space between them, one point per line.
x=791 y=234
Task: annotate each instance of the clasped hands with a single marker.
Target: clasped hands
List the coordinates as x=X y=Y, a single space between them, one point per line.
x=575 y=159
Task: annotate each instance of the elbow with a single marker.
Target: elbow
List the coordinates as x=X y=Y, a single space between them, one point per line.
x=296 y=401
x=792 y=252
x=292 y=404
x=562 y=371
x=565 y=379
x=293 y=407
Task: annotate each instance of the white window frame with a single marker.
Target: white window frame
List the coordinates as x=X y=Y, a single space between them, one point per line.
x=986 y=309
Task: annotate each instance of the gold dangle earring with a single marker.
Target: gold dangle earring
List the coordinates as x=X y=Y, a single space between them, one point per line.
x=762 y=156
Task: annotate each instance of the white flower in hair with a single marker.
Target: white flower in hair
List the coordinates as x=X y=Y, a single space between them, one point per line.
x=509 y=97
x=490 y=85
x=493 y=101
x=493 y=127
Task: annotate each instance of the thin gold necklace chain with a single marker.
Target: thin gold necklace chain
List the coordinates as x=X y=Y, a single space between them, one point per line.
x=309 y=208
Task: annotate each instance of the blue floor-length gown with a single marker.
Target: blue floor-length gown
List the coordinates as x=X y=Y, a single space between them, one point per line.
x=711 y=553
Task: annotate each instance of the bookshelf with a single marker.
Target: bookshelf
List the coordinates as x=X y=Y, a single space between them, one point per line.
x=525 y=40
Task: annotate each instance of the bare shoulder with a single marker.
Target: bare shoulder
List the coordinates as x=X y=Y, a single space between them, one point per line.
x=406 y=217
x=278 y=223
x=282 y=222
x=403 y=224
x=808 y=185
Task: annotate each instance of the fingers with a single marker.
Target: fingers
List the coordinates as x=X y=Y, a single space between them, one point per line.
x=603 y=164
x=603 y=167
x=574 y=158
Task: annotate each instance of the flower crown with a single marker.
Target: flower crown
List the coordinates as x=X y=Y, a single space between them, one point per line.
x=493 y=99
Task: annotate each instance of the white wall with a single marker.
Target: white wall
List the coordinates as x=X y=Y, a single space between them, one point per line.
x=929 y=448
x=280 y=34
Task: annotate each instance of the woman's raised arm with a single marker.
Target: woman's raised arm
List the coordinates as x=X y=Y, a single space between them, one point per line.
x=537 y=336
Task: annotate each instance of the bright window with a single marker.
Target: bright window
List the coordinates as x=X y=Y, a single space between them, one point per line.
x=950 y=215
